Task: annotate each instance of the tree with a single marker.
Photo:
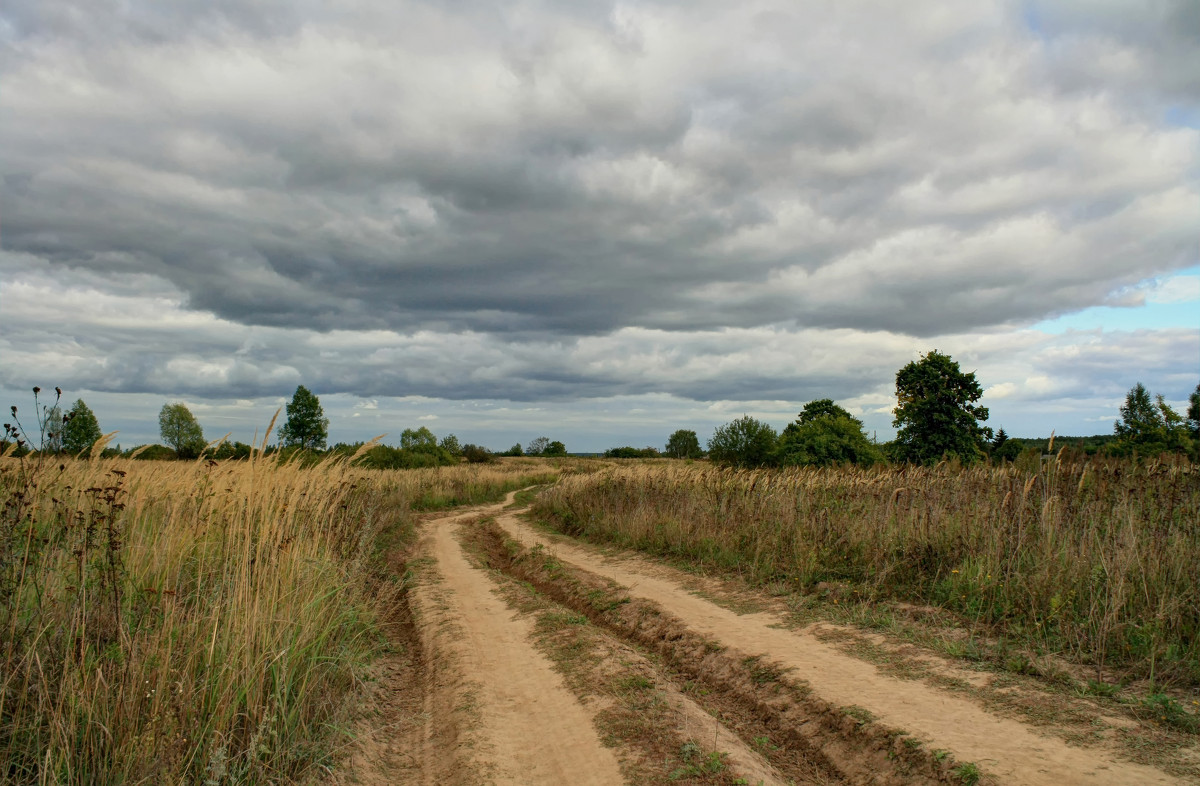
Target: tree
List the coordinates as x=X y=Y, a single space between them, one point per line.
x=537 y=446
x=823 y=408
x=936 y=415
x=476 y=454
x=420 y=440
x=683 y=444
x=306 y=426
x=825 y=434
x=1193 y=413
x=555 y=448
x=451 y=445
x=1149 y=427
x=180 y=430
x=744 y=442
x=515 y=450
x=81 y=430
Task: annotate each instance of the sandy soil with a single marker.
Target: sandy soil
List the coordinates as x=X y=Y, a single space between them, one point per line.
x=523 y=725
x=1008 y=749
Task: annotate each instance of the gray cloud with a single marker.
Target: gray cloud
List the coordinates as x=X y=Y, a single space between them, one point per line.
x=547 y=202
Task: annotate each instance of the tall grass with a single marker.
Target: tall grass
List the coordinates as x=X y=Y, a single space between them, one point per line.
x=1098 y=558
x=168 y=622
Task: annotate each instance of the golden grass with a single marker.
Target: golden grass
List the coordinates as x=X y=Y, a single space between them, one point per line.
x=1096 y=558
x=195 y=622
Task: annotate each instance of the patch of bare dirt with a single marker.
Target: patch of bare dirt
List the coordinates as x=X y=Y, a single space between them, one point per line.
x=1011 y=751
x=516 y=722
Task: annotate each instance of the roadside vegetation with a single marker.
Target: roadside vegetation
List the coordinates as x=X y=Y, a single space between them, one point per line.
x=201 y=621
x=1095 y=559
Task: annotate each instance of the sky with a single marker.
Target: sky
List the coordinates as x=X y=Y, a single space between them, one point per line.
x=598 y=222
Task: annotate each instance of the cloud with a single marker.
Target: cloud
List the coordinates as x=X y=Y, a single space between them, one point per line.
x=763 y=201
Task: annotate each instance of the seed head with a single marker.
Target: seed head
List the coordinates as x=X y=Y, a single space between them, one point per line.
x=36 y=390
x=58 y=391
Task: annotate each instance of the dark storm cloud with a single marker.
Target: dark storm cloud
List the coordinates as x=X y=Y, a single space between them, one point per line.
x=548 y=201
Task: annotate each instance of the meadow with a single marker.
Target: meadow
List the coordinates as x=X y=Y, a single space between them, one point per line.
x=199 y=622
x=1095 y=559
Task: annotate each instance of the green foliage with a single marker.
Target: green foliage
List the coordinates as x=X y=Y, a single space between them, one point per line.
x=936 y=414
x=179 y=429
x=555 y=448
x=515 y=450
x=475 y=454
x=684 y=444
x=1148 y=427
x=823 y=408
x=421 y=440
x=537 y=446
x=1193 y=413
x=451 y=445
x=826 y=434
x=306 y=426
x=81 y=430
x=151 y=453
x=631 y=452
x=230 y=450
x=745 y=442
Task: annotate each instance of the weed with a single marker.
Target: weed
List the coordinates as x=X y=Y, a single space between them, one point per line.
x=967 y=773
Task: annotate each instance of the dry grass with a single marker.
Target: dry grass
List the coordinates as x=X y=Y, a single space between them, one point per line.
x=1098 y=559
x=195 y=622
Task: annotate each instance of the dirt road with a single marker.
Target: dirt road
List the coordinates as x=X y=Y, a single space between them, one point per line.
x=549 y=686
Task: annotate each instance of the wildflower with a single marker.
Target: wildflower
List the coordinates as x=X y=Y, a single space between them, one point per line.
x=954 y=571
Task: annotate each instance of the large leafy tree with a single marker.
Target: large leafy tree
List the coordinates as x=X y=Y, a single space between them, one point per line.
x=825 y=434
x=81 y=430
x=306 y=426
x=555 y=448
x=179 y=429
x=1149 y=426
x=936 y=413
x=683 y=444
x=537 y=446
x=745 y=442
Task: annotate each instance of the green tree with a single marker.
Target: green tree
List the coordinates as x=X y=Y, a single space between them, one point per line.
x=420 y=440
x=684 y=444
x=825 y=434
x=936 y=414
x=1149 y=427
x=1193 y=413
x=81 y=430
x=823 y=408
x=537 y=446
x=515 y=450
x=306 y=426
x=476 y=454
x=179 y=429
x=745 y=442
x=555 y=448
x=451 y=445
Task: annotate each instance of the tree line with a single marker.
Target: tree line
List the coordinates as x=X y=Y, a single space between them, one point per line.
x=937 y=416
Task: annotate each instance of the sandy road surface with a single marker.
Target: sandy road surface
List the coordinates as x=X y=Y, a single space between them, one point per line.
x=1011 y=750
x=523 y=725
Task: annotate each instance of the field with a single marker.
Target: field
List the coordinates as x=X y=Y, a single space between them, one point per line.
x=191 y=622
x=1095 y=559
x=258 y=622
